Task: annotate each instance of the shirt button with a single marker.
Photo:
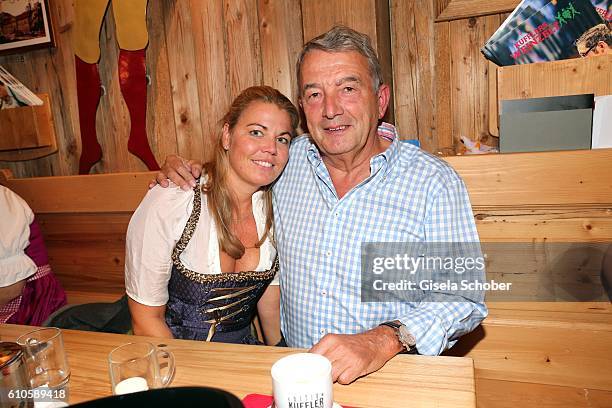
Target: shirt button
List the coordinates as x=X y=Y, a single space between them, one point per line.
x=328 y=253
x=324 y=292
x=336 y=214
x=322 y=331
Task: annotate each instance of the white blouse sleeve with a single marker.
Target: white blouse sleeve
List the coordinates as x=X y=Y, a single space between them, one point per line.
x=154 y=230
x=15 y=219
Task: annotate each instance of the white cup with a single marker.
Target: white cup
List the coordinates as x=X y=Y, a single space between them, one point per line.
x=302 y=380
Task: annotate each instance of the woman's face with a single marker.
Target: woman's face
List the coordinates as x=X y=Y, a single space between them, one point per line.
x=258 y=146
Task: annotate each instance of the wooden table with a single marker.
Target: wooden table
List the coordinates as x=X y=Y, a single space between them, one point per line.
x=414 y=381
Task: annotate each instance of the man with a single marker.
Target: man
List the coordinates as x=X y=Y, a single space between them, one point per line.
x=595 y=41
x=352 y=181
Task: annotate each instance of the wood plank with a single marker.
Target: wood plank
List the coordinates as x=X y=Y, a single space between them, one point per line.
x=281 y=44
x=567 y=320
x=64 y=194
x=460 y=9
x=212 y=67
x=584 y=75
x=443 y=107
x=405 y=54
x=319 y=16
x=161 y=130
x=482 y=108
x=243 y=51
x=463 y=38
x=493 y=100
x=510 y=394
x=384 y=51
x=19 y=128
x=546 y=178
x=541 y=355
x=440 y=5
x=184 y=78
x=413 y=60
x=539 y=225
x=56 y=72
x=29 y=132
x=562 y=307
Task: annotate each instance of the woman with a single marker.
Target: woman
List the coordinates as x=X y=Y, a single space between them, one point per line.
x=199 y=262
x=29 y=291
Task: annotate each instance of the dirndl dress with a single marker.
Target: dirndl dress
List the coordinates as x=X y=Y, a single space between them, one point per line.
x=212 y=307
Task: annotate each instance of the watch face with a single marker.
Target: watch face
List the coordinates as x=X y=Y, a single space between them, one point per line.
x=405 y=337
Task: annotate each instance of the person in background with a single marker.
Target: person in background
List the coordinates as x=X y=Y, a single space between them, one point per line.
x=29 y=291
x=595 y=41
x=198 y=262
x=348 y=182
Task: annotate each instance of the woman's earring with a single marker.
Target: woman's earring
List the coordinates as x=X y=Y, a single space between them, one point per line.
x=226 y=147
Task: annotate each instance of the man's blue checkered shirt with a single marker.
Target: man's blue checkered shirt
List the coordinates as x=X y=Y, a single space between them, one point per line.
x=409 y=196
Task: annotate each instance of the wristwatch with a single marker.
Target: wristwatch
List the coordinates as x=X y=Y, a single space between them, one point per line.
x=403 y=335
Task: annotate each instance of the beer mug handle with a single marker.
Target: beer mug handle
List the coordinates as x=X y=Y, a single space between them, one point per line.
x=167 y=379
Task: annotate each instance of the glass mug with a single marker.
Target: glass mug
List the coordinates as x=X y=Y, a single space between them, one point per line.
x=302 y=379
x=46 y=358
x=136 y=367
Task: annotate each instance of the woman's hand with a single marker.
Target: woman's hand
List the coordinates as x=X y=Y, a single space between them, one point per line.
x=180 y=171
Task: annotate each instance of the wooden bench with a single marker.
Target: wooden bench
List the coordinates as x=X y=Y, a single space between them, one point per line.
x=529 y=352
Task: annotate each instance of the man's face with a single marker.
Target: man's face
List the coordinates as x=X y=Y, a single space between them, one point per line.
x=341 y=107
x=601 y=48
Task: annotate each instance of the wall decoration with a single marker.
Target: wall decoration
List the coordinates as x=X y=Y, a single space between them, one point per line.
x=24 y=25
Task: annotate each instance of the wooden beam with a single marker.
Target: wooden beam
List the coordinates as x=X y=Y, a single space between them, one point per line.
x=459 y=9
x=556 y=78
x=537 y=179
x=116 y=192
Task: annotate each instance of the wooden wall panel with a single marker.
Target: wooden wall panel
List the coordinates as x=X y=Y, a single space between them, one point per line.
x=469 y=72
x=160 y=114
x=183 y=76
x=211 y=67
x=277 y=31
x=442 y=72
x=49 y=71
x=459 y=9
x=202 y=53
x=320 y=15
x=242 y=32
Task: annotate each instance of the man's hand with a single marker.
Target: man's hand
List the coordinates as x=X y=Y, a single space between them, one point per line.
x=181 y=172
x=355 y=355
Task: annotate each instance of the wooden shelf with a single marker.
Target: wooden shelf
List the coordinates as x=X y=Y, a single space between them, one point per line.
x=27 y=132
x=557 y=78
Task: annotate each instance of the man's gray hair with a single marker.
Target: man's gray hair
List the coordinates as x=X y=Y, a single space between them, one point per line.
x=340 y=39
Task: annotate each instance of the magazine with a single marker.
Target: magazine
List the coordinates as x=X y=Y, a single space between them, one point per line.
x=14 y=94
x=541 y=30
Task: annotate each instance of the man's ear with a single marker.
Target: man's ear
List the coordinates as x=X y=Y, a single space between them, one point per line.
x=383 y=95
x=225 y=137
x=600 y=48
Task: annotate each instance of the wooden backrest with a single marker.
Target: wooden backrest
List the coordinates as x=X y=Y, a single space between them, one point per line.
x=526 y=197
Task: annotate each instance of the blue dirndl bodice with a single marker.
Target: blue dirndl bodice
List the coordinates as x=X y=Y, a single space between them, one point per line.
x=212 y=307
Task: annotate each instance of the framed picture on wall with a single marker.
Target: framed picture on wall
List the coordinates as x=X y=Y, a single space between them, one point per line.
x=24 y=25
